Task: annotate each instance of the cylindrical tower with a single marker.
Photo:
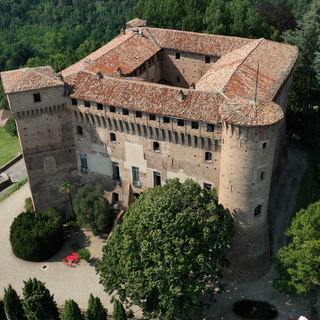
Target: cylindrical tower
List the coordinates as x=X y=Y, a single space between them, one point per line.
x=249 y=135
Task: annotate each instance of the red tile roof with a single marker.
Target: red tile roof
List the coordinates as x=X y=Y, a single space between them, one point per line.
x=29 y=79
x=148 y=97
x=248 y=113
x=4 y=116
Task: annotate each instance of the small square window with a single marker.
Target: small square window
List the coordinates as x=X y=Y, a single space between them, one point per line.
x=74 y=102
x=115 y=171
x=112 y=137
x=258 y=210
x=166 y=120
x=210 y=127
x=195 y=125
x=156 y=146
x=177 y=55
x=156 y=179
x=264 y=146
x=125 y=112
x=138 y=114
x=87 y=104
x=99 y=106
x=207 y=60
x=37 y=97
x=115 y=197
x=178 y=79
x=112 y=109
x=208 y=157
x=79 y=130
x=207 y=186
x=152 y=117
x=180 y=122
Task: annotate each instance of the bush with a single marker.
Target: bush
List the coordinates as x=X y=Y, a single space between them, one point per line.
x=118 y=311
x=12 y=304
x=29 y=204
x=11 y=127
x=74 y=225
x=71 y=311
x=96 y=310
x=36 y=236
x=84 y=254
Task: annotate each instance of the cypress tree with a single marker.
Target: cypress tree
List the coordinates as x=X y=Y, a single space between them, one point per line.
x=118 y=311
x=71 y=311
x=12 y=304
x=96 y=311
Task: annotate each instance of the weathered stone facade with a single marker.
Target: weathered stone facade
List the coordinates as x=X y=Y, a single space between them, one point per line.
x=156 y=104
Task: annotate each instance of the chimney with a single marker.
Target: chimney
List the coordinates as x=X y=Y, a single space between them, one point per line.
x=181 y=95
x=192 y=85
x=119 y=72
x=122 y=32
x=100 y=75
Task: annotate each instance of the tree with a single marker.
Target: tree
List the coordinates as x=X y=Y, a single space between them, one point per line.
x=169 y=250
x=96 y=310
x=298 y=263
x=92 y=210
x=66 y=187
x=38 y=303
x=12 y=304
x=71 y=311
x=118 y=311
x=11 y=127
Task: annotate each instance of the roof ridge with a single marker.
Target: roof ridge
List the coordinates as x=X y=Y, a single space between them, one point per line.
x=246 y=57
x=153 y=38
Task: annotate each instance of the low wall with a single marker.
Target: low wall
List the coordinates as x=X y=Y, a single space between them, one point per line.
x=11 y=162
x=5 y=183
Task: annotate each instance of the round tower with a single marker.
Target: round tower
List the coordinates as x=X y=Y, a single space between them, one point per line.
x=249 y=135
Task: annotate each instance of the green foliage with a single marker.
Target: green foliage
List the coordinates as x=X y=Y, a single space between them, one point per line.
x=298 y=263
x=84 y=254
x=16 y=187
x=71 y=311
x=38 y=303
x=74 y=225
x=11 y=127
x=12 y=304
x=169 y=250
x=92 y=210
x=29 y=204
x=118 y=311
x=130 y=314
x=96 y=311
x=36 y=236
x=2 y=313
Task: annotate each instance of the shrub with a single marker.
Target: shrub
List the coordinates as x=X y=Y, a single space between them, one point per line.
x=118 y=311
x=96 y=310
x=74 y=225
x=71 y=311
x=11 y=127
x=12 y=304
x=36 y=236
x=29 y=204
x=84 y=254
x=130 y=314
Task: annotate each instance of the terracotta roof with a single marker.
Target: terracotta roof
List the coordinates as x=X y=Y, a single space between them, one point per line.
x=29 y=79
x=136 y=23
x=195 y=42
x=4 y=116
x=148 y=97
x=248 y=113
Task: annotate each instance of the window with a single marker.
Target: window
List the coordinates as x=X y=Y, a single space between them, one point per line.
x=210 y=127
x=156 y=146
x=156 y=179
x=115 y=197
x=166 y=120
x=74 y=102
x=207 y=186
x=207 y=60
x=83 y=162
x=115 y=171
x=180 y=122
x=79 y=130
x=262 y=176
x=112 y=137
x=37 y=97
x=112 y=109
x=152 y=117
x=195 y=125
x=87 y=104
x=264 y=146
x=258 y=210
x=125 y=112
x=177 y=55
x=136 y=176
x=208 y=156
x=178 y=79
x=138 y=114
x=99 y=106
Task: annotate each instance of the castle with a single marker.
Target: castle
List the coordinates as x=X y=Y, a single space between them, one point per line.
x=154 y=104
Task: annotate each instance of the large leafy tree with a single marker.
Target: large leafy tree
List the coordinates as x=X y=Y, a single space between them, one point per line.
x=298 y=263
x=169 y=250
x=92 y=209
x=38 y=303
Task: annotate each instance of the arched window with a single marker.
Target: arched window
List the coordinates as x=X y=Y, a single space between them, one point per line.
x=79 y=130
x=156 y=146
x=208 y=156
x=112 y=137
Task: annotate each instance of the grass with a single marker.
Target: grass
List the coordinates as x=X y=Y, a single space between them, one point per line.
x=9 y=146
x=13 y=189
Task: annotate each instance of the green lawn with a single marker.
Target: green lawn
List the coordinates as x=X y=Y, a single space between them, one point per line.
x=9 y=147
